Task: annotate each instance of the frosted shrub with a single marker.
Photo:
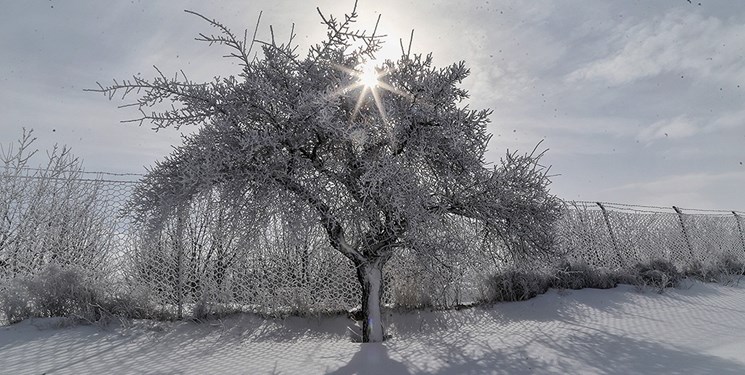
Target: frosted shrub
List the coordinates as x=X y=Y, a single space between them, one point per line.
x=15 y=302
x=63 y=292
x=129 y=301
x=698 y=270
x=412 y=294
x=658 y=274
x=515 y=285
x=728 y=269
x=725 y=269
x=730 y=265
x=205 y=311
x=579 y=275
x=52 y=292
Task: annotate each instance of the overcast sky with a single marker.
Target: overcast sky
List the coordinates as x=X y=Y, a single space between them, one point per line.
x=637 y=101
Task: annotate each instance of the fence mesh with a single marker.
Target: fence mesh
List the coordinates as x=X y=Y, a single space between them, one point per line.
x=208 y=257
x=616 y=235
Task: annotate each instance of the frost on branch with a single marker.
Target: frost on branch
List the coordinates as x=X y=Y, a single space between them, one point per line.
x=383 y=168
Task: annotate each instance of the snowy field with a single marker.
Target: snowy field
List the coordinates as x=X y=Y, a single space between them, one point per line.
x=695 y=329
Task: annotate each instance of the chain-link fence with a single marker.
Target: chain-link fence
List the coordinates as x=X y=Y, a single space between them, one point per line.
x=205 y=258
x=616 y=235
x=210 y=257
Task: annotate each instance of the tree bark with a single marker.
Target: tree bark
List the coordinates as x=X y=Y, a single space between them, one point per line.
x=370 y=276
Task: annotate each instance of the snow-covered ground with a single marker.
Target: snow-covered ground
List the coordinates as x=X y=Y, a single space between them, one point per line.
x=696 y=329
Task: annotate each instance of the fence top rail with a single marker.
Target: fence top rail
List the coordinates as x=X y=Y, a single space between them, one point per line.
x=76 y=179
x=638 y=208
x=85 y=176
x=82 y=171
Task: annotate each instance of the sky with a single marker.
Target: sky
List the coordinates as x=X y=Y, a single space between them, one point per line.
x=638 y=102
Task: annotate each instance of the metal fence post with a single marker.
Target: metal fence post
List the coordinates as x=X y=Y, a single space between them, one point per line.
x=685 y=232
x=180 y=248
x=612 y=235
x=739 y=229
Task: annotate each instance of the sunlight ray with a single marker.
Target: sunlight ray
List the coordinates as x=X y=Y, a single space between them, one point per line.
x=379 y=104
x=360 y=100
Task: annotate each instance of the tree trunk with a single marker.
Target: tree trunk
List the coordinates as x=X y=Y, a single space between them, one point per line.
x=370 y=276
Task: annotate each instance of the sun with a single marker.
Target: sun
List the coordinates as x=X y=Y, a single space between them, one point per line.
x=368 y=74
x=369 y=78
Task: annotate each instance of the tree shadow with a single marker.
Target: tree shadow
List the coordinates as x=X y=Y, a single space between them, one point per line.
x=596 y=352
x=614 y=354
x=372 y=358
x=553 y=334
x=237 y=345
x=537 y=348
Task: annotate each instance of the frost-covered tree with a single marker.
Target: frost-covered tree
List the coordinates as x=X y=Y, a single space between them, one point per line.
x=384 y=156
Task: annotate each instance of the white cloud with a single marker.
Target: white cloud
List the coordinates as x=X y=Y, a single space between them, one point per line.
x=684 y=127
x=676 y=128
x=678 y=42
x=729 y=120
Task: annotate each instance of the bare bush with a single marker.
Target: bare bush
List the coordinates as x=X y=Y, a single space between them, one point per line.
x=54 y=225
x=50 y=214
